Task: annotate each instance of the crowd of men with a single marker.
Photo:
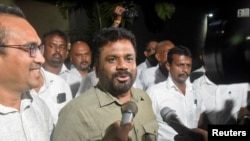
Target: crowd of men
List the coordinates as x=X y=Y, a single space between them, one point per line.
x=42 y=98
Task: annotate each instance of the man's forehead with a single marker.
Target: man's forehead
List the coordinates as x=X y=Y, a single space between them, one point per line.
x=152 y=44
x=18 y=29
x=181 y=57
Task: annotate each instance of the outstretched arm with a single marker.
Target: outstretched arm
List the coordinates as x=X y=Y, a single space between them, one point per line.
x=118 y=15
x=186 y=134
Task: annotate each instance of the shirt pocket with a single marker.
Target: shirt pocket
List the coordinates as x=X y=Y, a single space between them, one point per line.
x=150 y=129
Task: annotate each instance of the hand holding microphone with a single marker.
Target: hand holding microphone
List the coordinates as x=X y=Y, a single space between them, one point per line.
x=184 y=134
x=119 y=130
x=169 y=116
x=128 y=110
x=116 y=132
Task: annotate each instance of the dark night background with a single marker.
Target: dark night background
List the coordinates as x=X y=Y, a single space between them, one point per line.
x=187 y=25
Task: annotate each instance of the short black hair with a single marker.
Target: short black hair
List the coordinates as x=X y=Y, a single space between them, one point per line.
x=180 y=50
x=11 y=10
x=110 y=34
x=55 y=32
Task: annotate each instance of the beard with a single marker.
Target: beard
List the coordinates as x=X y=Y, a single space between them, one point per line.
x=116 y=87
x=84 y=66
x=57 y=59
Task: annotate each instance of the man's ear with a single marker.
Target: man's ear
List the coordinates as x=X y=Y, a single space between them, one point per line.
x=145 y=54
x=67 y=53
x=157 y=57
x=96 y=70
x=70 y=58
x=167 y=65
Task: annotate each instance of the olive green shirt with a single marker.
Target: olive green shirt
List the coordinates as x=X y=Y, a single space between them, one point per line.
x=86 y=117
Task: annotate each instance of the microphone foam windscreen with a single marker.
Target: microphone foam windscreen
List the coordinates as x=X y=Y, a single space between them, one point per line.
x=166 y=112
x=129 y=107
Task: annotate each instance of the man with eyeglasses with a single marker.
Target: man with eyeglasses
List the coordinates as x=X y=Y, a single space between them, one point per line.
x=158 y=73
x=149 y=53
x=23 y=116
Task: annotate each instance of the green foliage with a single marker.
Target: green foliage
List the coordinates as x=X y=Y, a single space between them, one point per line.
x=100 y=13
x=100 y=16
x=65 y=6
x=164 y=10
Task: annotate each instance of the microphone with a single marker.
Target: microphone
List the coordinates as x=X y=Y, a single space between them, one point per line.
x=169 y=116
x=128 y=109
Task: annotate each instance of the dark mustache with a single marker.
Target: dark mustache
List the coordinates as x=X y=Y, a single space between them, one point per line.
x=84 y=62
x=184 y=74
x=122 y=73
x=36 y=66
x=57 y=54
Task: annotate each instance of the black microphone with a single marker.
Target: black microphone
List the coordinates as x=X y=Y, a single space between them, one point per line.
x=129 y=109
x=169 y=116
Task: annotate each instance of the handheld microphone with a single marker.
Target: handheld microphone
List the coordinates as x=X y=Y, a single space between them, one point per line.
x=128 y=109
x=169 y=116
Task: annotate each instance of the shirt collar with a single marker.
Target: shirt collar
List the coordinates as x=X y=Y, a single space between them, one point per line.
x=206 y=80
x=76 y=72
x=26 y=101
x=64 y=69
x=47 y=80
x=170 y=83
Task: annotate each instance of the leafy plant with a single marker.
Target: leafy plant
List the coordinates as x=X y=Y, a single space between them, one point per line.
x=164 y=10
x=100 y=13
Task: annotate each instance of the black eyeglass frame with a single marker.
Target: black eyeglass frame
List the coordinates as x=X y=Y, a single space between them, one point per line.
x=31 y=48
x=150 y=49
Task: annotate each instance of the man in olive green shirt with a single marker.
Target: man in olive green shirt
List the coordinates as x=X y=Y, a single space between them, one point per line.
x=88 y=116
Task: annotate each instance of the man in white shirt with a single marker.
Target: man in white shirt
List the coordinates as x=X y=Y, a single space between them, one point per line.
x=177 y=94
x=80 y=57
x=223 y=102
x=55 y=51
x=23 y=116
x=159 y=73
x=54 y=91
x=149 y=53
x=201 y=70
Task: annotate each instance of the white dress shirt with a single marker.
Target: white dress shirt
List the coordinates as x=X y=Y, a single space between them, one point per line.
x=223 y=101
x=64 y=69
x=73 y=78
x=89 y=80
x=151 y=76
x=33 y=122
x=144 y=65
x=188 y=107
x=55 y=92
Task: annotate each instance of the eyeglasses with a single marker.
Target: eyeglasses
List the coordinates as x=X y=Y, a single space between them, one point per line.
x=31 y=48
x=150 y=49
